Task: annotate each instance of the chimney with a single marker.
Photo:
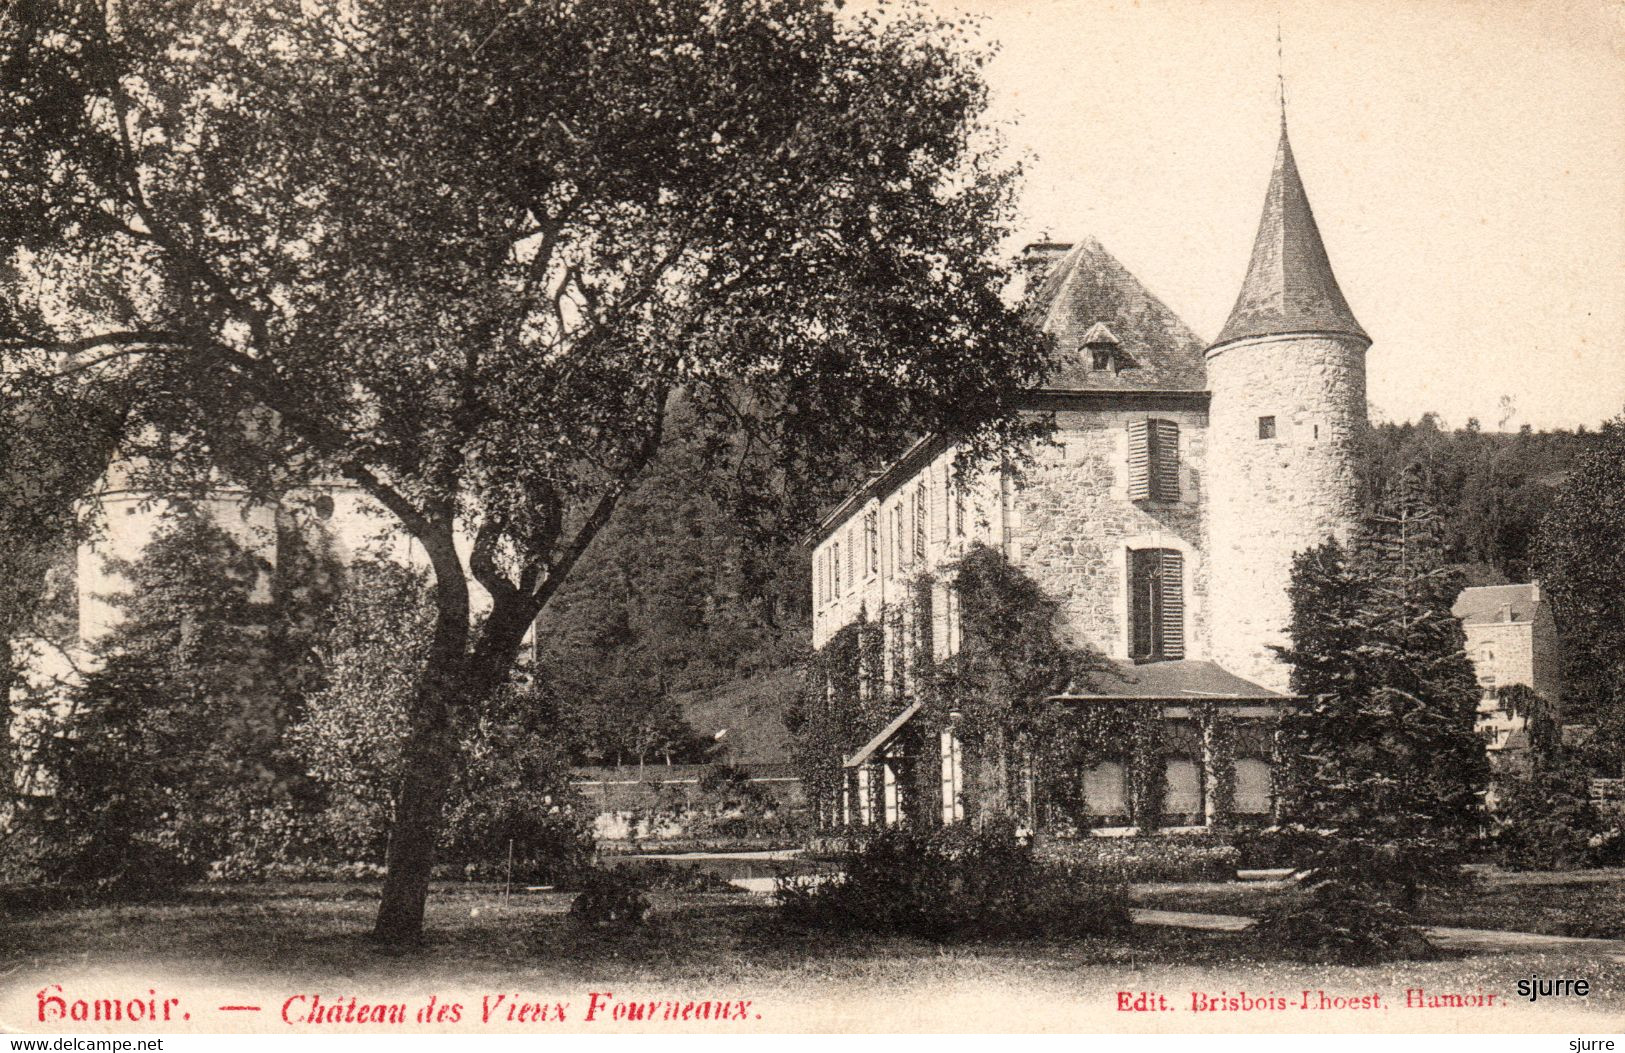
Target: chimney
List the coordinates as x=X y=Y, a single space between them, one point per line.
x=1037 y=258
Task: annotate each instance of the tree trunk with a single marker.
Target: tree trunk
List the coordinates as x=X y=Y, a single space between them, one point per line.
x=455 y=681
x=9 y=753
x=424 y=786
x=431 y=745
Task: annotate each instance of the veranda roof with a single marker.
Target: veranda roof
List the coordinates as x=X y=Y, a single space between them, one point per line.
x=1187 y=680
x=884 y=736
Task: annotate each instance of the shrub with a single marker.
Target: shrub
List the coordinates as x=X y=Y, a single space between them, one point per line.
x=1274 y=847
x=248 y=867
x=957 y=884
x=1343 y=923
x=1143 y=858
x=669 y=877
x=725 y=807
x=1546 y=821
x=610 y=899
x=126 y=820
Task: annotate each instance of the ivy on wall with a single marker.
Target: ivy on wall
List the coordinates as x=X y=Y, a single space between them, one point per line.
x=844 y=700
x=1025 y=752
x=1218 y=731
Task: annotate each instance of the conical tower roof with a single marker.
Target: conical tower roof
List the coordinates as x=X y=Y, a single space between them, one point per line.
x=1290 y=287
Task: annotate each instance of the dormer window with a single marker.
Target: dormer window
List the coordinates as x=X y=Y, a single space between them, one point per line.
x=1103 y=349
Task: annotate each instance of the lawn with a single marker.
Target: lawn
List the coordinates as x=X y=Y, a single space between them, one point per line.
x=265 y=944
x=1577 y=907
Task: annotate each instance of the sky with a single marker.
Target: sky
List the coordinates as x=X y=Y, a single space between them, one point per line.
x=1465 y=160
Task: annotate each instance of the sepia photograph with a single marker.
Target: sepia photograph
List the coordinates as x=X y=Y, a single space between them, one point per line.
x=709 y=517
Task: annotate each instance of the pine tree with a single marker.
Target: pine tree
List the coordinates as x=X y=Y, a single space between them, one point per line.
x=1382 y=756
x=1579 y=554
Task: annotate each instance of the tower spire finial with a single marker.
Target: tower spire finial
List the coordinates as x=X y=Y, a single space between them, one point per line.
x=1280 y=66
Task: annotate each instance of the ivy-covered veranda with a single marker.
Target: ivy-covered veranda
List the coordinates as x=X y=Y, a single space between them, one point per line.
x=1151 y=747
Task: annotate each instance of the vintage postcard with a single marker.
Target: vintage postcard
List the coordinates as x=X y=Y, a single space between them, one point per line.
x=542 y=517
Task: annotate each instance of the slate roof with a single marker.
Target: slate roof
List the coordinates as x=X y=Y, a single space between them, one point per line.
x=1289 y=287
x=1483 y=604
x=1088 y=289
x=1190 y=678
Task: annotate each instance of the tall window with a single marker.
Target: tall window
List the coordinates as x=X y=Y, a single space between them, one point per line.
x=899 y=536
x=871 y=542
x=835 y=570
x=1156 y=604
x=922 y=500
x=953 y=777
x=851 y=558
x=1153 y=460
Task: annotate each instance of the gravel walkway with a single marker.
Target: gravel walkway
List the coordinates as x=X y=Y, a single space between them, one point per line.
x=1481 y=941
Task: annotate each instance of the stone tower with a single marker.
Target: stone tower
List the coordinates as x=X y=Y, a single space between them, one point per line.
x=1287 y=376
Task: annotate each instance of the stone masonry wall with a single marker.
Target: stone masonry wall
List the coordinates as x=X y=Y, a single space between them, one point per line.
x=1502 y=653
x=1072 y=524
x=1272 y=498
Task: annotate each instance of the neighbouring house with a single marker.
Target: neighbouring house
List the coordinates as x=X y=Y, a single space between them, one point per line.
x=1512 y=640
x=1183 y=477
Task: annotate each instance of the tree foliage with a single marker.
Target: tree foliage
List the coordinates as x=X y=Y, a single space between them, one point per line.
x=1546 y=820
x=1579 y=553
x=1382 y=755
x=468 y=255
x=56 y=436
x=1490 y=488
x=674 y=596
x=512 y=781
x=348 y=738
x=170 y=748
x=124 y=770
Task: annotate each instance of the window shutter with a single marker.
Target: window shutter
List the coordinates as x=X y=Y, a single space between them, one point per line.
x=1139 y=460
x=1165 y=459
x=1173 y=604
x=1145 y=599
x=898 y=553
x=921 y=504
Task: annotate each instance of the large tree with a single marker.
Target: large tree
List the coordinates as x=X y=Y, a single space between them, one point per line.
x=169 y=746
x=56 y=435
x=1382 y=754
x=1579 y=554
x=471 y=254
